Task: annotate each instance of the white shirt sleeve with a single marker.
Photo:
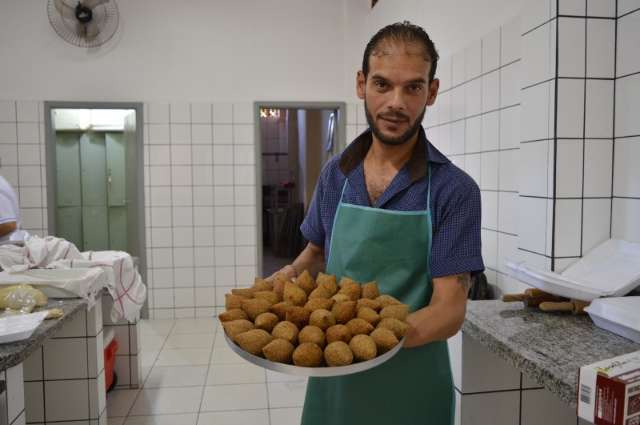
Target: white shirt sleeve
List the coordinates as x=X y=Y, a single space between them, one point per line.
x=8 y=203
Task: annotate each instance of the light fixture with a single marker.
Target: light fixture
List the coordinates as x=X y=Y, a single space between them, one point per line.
x=269 y=113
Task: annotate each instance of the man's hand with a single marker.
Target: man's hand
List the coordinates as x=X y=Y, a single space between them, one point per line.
x=287 y=271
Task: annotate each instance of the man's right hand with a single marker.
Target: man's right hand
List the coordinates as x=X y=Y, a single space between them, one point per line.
x=287 y=271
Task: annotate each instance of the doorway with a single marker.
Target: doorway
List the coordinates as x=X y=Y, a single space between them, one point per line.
x=294 y=141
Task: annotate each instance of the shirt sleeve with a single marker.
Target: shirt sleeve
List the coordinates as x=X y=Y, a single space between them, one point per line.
x=312 y=228
x=456 y=246
x=7 y=213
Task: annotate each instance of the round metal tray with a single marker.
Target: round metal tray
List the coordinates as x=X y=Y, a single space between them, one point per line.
x=313 y=371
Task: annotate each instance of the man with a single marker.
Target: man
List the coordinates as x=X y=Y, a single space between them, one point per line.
x=9 y=214
x=393 y=209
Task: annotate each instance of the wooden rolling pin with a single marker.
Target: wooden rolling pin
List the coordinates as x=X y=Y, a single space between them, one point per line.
x=533 y=297
x=572 y=306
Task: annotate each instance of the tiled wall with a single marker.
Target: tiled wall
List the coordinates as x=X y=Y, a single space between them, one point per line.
x=13 y=396
x=128 y=360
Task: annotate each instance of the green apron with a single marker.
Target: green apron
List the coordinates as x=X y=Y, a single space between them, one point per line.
x=415 y=386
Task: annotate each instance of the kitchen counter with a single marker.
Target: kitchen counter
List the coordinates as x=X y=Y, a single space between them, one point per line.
x=549 y=348
x=14 y=353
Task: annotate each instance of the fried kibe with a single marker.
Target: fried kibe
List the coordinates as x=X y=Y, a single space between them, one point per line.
x=280 y=309
x=306 y=282
x=232 y=301
x=338 y=333
x=270 y=296
x=338 y=353
x=369 y=315
x=322 y=319
x=262 y=285
x=398 y=311
x=398 y=327
x=385 y=339
x=350 y=289
x=278 y=284
x=236 y=327
x=363 y=347
x=308 y=355
x=266 y=321
x=255 y=307
x=298 y=315
x=370 y=290
x=327 y=281
x=243 y=292
x=359 y=327
x=253 y=341
x=286 y=330
x=294 y=294
x=320 y=292
x=233 y=314
x=340 y=298
x=344 y=311
x=312 y=334
x=365 y=302
x=279 y=350
x=319 y=303
x=387 y=300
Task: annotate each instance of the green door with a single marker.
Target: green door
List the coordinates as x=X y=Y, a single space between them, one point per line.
x=68 y=187
x=117 y=190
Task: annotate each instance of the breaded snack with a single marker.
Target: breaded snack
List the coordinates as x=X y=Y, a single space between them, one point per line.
x=346 y=281
x=236 y=327
x=308 y=355
x=270 y=296
x=363 y=347
x=350 y=289
x=387 y=300
x=344 y=311
x=232 y=301
x=369 y=315
x=233 y=314
x=298 y=315
x=294 y=294
x=320 y=292
x=253 y=341
x=319 y=303
x=365 y=302
x=266 y=321
x=398 y=311
x=385 y=339
x=338 y=353
x=255 y=307
x=286 y=330
x=243 y=292
x=338 y=333
x=306 y=282
x=280 y=309
x=262 y=285
x=312 y=334
x=322 y=319
x=340 y=298
x=398 y=327
x=278 y=284
x=278 y=350
x=370 y=290
x=327 y=281
x=359 y=327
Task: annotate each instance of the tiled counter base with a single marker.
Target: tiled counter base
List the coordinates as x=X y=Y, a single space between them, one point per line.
x=128 y=362
x=13 y=396
x=518 y=366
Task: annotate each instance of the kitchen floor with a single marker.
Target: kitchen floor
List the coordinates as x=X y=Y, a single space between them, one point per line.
x=192 y=377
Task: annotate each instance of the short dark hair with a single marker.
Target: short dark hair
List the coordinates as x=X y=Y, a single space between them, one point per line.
x=405 y=32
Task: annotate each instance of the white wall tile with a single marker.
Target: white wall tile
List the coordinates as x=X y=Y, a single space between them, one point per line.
x=161 y=216
x=458 y=68
x=597 y=168
x=602 y=8
x=510 y=36
x=534 y=168
x=222 y=155
x=157 y=113
x=536 y=106
x=243 y=113
x=181 y=154
x=66 y=400
x=8 y=154
x=472 y=166
x=15 y=402
x=532 y=224
x=599 y=109
x=538 y=59
x=628 y=44
x=443 y=73
x=491 y=51
x=510 y=84
x=245 y=216
x=457 y=138
x=201 y=113
x=509 y=169
x=244 y=175
x=509 y=128
x=490 y=169
x=159 y=134
x=202 y=155
x=159 y=155
x=8 y=133
x=180 y=112
x=596 y=223
x=490 y=131
x=28 y=133
x=458 y=102
x=507 y=251
x=568 y=227
x=473 y=134
x=222 y=113
x=201 y=134
x=627 y=95
x=7 y=111
x=473 y=60
x=555 y=412
x=244 y=154
x=179 y=176
x=28 y=154
x=489 y=209
x=33 y=397
x=473 y=97
x=626 y=176
x=490 y=408
x=508 y=212
x=626 y=6
x=625 y=223
x=572 y=7
x=569 y=168
x=570 y=108
x=601 y=47
x=491 y=91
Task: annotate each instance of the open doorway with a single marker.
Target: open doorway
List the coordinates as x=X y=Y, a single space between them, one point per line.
x=294 y=141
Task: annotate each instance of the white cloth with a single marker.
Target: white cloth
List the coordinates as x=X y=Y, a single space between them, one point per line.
x=10 y=212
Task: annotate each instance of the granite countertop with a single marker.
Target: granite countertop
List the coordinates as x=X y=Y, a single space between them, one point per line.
x=14 y=353
x=549 y=348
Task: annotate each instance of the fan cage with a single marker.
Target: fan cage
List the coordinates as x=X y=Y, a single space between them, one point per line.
x=107 y=21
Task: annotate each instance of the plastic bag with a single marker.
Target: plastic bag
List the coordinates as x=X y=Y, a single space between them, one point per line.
x=21 y=298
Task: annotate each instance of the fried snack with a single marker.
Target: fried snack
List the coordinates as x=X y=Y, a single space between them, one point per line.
x=338 y=333
x=280 y=309
x=278 y=284
x=266 y=321
x=363 y=347
x=286 y=330
x=233 y=301
x=365 y=302
x=319 y=303
x=359 y=327
x=308 y=355
x=322 y=319
x=294 y=294
x=370 y=290
x=327 y=281
x=398 y=311
x=243 y=292
x=338 y=353
x=253 y=341
x=270 y=296
x=344 y=311
x=385 y=339
x=306 y=282
x=278 y=350
x=350 y=289
x=233 y=314
x=398 y=327
x=369 y=315
x=236 y=327
x=312 y=334
x=340 y=298
x=298 y=315
x=262 y=285
x=387 y=300
x=255 y=307
x=320 y=292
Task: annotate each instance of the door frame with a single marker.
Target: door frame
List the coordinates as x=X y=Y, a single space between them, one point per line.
x=341 y=143
x=50 y=149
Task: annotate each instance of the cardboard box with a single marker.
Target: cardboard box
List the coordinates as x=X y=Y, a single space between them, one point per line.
x=609 y=391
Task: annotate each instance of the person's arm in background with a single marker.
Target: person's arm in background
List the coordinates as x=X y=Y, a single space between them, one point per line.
x=7 y=228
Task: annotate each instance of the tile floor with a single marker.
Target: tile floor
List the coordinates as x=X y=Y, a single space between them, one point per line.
x=191 y=377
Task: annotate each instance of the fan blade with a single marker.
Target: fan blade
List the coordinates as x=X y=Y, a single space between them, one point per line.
x=91 y=30
x=64 y=9
x=92 y=4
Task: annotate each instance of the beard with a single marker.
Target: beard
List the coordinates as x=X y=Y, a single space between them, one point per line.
x=404 y=137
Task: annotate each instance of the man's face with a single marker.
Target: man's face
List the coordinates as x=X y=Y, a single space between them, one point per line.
x=396 y=91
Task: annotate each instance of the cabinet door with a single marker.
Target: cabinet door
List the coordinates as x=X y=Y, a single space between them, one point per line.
x=94 y=170
x=95 y=228
x=69 y=225
x=118 y=228
x=116 y=170
x=68 y=187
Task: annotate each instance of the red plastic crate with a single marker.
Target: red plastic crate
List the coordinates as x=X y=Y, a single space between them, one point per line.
x=109 y=363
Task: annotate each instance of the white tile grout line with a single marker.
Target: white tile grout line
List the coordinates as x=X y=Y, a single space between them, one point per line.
x=215 y=326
